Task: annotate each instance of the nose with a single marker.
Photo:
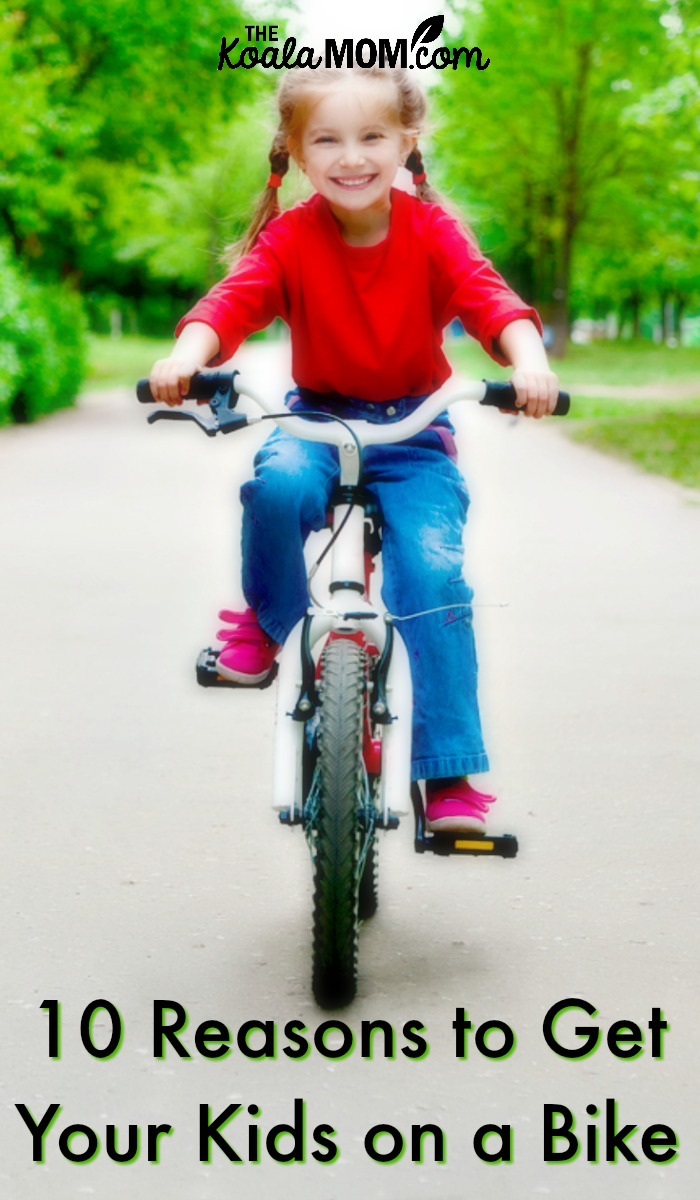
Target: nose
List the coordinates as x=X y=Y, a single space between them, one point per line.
x=352 y=154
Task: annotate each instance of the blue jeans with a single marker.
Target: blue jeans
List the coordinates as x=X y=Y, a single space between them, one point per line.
x=424 y=501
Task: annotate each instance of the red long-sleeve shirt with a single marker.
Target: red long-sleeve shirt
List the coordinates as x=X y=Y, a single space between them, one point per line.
x=365 y=321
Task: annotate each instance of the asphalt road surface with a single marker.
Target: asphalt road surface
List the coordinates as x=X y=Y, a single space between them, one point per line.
x=142 y=861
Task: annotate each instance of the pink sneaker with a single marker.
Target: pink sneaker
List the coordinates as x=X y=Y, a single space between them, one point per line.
x=249 y=653
x=454 y=806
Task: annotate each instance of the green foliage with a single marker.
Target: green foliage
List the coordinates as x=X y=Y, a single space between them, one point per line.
x=103 y=95
x=103 y=92
x=639 y=243
x=184 y=216
x=42 y=344
x=577 y=149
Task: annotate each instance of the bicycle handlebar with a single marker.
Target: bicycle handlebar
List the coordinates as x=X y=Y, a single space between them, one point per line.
x=222 y=389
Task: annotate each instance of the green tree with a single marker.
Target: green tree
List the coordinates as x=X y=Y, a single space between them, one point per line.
x=537 y=138
x=98 y=97
x=102 y=93
x=185 y=215
x=669 y=117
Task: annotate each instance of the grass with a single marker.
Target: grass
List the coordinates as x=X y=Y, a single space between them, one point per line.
x=622 y=364
x=661 y=435
x=626 y=364
x=664 y=442
x=119 y=362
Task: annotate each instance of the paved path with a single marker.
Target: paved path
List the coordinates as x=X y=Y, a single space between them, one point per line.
x=141 y=860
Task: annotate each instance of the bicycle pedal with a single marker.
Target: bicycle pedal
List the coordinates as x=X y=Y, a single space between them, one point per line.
x=208 y=676
x=501 y=846
x=392 y=822
x=285 y=817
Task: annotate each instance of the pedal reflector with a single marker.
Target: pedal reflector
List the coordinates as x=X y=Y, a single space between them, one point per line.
x=475 y=844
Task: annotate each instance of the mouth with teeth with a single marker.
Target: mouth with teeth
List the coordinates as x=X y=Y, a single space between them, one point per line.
x=353 y=182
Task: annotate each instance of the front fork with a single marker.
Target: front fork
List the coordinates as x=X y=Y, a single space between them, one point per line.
x=390 y=701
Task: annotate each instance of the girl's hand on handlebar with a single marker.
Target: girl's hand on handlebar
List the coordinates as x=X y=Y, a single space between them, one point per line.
x=170 y=379
x=536 y=391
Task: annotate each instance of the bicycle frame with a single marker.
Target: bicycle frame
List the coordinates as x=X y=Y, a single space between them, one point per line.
x=342 y=616
x=296 y=695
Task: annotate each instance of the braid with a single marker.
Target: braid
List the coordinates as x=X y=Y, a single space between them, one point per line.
x=268 y=205
x=414 y=163
x=412 y=112
x=279 y=155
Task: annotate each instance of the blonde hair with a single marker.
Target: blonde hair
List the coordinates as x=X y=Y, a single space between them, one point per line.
x=296 y=95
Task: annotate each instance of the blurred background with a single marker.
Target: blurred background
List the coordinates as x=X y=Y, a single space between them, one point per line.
x=127 y=164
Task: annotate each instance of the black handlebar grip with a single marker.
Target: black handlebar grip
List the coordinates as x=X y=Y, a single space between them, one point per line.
x=143 y=392
x=202 y=386
x=502 y=395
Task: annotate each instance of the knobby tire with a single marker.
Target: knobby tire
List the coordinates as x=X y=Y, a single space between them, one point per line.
x=338 y=835
x=368 y=895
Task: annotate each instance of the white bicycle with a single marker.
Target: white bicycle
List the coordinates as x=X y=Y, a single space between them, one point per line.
x=342 y=764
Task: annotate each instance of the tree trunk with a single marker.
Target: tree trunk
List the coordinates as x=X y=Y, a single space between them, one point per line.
x=560 y=295
x=680 y=309
x=569 y=117
x=555 y=311
x=664 y=301
x=16 y=239
x=560 y=327
x=635 y=303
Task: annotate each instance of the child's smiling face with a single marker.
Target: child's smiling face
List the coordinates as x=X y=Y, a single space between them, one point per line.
x=351 y=147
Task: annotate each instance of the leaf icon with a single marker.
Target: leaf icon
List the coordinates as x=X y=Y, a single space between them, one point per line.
x=428 y=31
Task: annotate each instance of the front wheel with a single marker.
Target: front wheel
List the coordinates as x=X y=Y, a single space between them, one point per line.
x=337 y=834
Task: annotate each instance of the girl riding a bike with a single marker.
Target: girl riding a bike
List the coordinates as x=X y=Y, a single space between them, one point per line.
x=367 y=277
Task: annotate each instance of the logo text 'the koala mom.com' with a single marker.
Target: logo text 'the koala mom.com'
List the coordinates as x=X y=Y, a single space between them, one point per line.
x=350 y=52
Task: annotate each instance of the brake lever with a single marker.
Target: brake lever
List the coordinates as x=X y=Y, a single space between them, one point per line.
x=210 y=425
x=222 y=404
